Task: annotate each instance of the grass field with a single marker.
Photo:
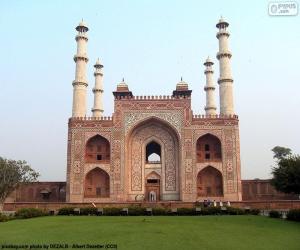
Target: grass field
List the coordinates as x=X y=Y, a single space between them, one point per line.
x=175 y=232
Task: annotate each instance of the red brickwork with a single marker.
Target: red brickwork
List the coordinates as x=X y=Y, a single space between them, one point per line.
x=185 y=140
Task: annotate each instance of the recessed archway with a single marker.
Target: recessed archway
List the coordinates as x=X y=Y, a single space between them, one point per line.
x=153 y=152
x=208 y=148
x=97 y=150
x=96 y=184
x=153 y=136
x=209 y=183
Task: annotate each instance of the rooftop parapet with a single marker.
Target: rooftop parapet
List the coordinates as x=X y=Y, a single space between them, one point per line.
x=152 y=97
x=216 y=116
x=91 y=118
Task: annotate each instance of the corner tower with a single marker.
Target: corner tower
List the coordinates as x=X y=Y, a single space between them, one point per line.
x=225 y=80
x=80 y=83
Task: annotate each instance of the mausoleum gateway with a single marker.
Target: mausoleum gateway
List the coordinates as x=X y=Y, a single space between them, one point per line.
x=153 y=148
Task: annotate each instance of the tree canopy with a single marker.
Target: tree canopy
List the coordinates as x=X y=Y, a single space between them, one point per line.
x=281 y=152
x=13 y=173
x=286 y=175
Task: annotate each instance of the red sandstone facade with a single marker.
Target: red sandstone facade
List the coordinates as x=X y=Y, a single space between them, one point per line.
x=198 y=157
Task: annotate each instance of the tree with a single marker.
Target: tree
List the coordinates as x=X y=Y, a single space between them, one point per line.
x=281 y=152
x=12 y=174
x=286 y=175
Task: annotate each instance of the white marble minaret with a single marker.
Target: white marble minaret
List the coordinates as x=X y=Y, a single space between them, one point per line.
x=98 y=90
x=80 y=83
x=210 y=108
x=225 y=81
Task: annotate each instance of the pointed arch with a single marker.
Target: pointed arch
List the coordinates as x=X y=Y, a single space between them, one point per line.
x=138 y=137
x=97 y=150
x=153 y=176
x=208 y=148
x=209 y=182
x=97 y=183
x=153 y=152
x=153 y=119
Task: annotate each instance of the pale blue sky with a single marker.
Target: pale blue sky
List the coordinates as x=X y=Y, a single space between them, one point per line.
x=152 y=44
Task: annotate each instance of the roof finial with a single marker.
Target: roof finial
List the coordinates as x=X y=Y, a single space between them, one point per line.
x=181 y=79
x=123 y=79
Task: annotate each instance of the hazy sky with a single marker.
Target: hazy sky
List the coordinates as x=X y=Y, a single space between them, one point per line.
x=152 y=44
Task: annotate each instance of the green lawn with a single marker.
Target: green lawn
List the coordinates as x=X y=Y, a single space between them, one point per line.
x=160 y=232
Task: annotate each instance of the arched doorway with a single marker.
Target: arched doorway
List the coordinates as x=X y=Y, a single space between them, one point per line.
x=97 y=150
x=153 y=138
x=153 y=153
x=96 y=184
x=208 y=148
x=152 y=186
x=209 y=183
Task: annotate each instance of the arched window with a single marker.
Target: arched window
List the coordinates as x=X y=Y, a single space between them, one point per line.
x=97 y=150
x=208 y=148
x=153 y=152
x=96 y=184
x=209 y=182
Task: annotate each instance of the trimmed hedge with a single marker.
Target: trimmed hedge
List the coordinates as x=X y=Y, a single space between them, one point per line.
x=274 y=214
x=112 y=211
x=88 y=211
x=235 y=211
x=186 y=211
x=4 y=218
x=159 y=211
x=293 y=214
x=66 y=211
x=135 y=211
x=25 y=213
x=138 y=211
x=254 y=211
x=211 y=210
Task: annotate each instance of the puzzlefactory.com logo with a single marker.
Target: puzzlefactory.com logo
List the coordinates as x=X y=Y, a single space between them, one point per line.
x=283 y=8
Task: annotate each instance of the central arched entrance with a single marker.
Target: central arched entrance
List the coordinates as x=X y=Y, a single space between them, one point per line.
x=153 y=147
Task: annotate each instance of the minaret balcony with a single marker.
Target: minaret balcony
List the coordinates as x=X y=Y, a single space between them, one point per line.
x=81 y=57
x=210 y=107
x=224 y=54
x=81 y=36
x=208 y=71
x=78 y=83
x=222 y=33
x=223 y=79
x=209 y=88
x=97 y=90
